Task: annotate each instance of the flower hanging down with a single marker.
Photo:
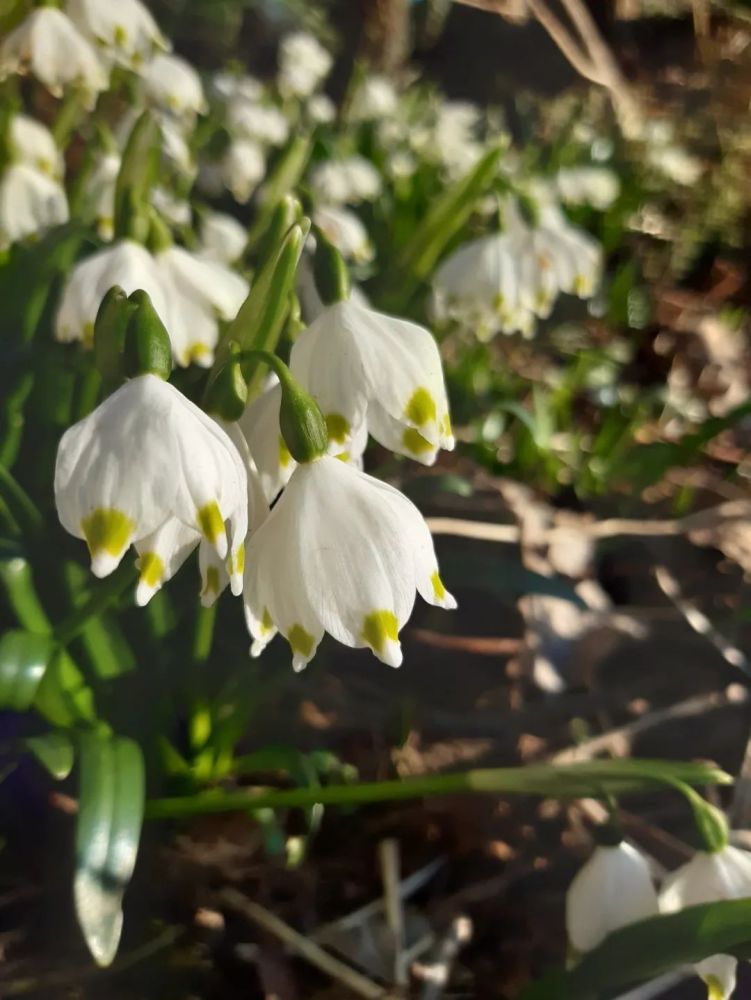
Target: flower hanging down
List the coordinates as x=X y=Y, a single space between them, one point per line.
x=222 y=237
x=388 y=373
x=614 y=888
x=150 y=468
x=33 y=144
x=173 y=85
x=709 y=878
x=30 y=202
x=303 y=64
x=124 y=30
x=343 y=553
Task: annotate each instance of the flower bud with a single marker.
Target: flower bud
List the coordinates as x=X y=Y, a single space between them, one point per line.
x=301 y=421
x=147 y=348
x=227 y=392
x=331 y=275
x=111 y=322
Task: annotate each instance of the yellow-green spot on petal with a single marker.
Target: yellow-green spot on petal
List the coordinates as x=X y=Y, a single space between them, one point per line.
x=211 y=583
x=499 y=302
x=237 y=565
x=414 y=442
x=438 y=589
x=120 y=36
x=581 y=286
x=378 y=628
x=267 y=624
x=420 y=409
x=151 y=568
x=337 y=427
x=446 y=425
x=107 y=529
x=714 y=988
x=302 y=642
x=87 y=335
x=197 y=351
x=210 y=521
x=343 y=456
x=284 y=456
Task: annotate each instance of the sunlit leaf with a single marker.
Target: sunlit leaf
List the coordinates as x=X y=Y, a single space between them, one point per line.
x=24 y=657
x=54 y=751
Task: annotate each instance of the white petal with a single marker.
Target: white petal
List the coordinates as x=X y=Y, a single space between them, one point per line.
x=260 y=427
x=161 y=554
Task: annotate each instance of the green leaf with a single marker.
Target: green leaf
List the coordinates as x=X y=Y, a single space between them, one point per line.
x=650 y=948
x=138 y=171
x=283 y=178
x=63 y=697
x=23 y=661
x=54 y=751
x=109 y=823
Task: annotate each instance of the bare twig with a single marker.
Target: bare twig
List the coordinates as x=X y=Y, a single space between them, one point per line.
x=388 y=855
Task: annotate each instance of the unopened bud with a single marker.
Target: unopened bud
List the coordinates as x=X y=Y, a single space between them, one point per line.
x=147 y=348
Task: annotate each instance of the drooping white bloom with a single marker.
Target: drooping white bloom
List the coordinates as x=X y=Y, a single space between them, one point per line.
x=125 y=30
x=30 y=202
x=451 y=140
x=321 y=109
x=346 y=232
x=257 y=122
x=33 y=144
x=242 y=168
x=175 y=210
x=226 y=85
x=709 y=878
x=100 y=194
x=375 y=98
x=126 y=264
x=363 y=366
x=614 y=888
x=173 y=85
x=352 y=179
x=676 y=163
x=48 y=44
x=145 y=457
x=341 y=553
x=303 y=63
x=595 y=186
x=222 y=237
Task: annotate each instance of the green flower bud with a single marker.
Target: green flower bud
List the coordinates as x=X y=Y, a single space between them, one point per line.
x=147 y=348
x=111 y=322
x=285 y=215
x=227 y=392
x=301 y=422
x=330 y=271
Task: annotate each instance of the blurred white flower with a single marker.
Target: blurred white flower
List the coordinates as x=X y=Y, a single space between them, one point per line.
x=243 y=167
x=175 y=210
x=30 y=202
x=675 y=163
x=614 y=888
x=144 y=458
x=124 y=30
x=222 y=237
x=49 y=45
x=173 y=85
x=595 y=186
x=99 y=196
x=451 y=140
x=374 y=99
x=346 y=232
x=257 y=122
x=401 y=165
x=709 y=878
x=364 y=366
x=342 y=553
x=321 y=109
x=303 y=64
x=33 y=144
x=353 y=179
x=227 y=85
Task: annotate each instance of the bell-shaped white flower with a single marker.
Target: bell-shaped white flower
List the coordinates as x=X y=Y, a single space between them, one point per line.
x=242 y=168
x=346 y=232
x=321 y=109
x=614 y=888
x=145 y=457
x=228 y=85
x=50 y=46
x=303 y=64
x=99 y=196
x=375 y=98
x=351 y=180
x=173 y=85
x=595 y=186
x=33 y=144
x=710 y=878
x=125 y=31
x=126 y=264
x=364 y=366
x=222 y=237
x=30 y=202
x=170 y=207
x=341 y=553
x=258 y=122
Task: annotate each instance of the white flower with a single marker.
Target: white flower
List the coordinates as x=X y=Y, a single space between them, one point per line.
x=361 y=365
x=30 y=202
x=342 y=553
x=257 y=122
x=374 y=99
x=175 y=210
x=595 y=186
x=48 y=44
x=173 y=85
x=349 y=180
x=321 y=109
x=346 y=232
x=199 y=291
x=126 y=264
x=675 y=163
x=100 y=193
x=303 y=63
x=709 y=878
x=222 y=237
x=228 y=85
x=614 y=888
x=145 y=457
x=451 y=140
x=33 y=144
x=124 y=29
x=243 y=167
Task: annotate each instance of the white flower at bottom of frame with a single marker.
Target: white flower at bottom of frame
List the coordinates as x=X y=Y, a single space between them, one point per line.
x=222 y=237
x=49 y=44
x=362 y=365
x=242 y=168
x=341 y=553
x=147 y=456
x=709 y=878
x=125 y=31
x=612 y=889
x=34 y=145
x=346 y=232
x=30 y=202
x=173 y=85
x=126 y=264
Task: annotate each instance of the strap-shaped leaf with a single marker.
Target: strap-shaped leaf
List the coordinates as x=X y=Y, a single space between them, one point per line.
x=63 y=697
x=54 y=751
x=109 y=826
x=24 y=657
x=645 y=950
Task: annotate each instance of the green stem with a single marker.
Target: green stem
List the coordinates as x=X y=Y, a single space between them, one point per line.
x=20 y=502
x=104 y=595
x=67 y=118
x=203 y=635
x=576 y=781
x=15 y=574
